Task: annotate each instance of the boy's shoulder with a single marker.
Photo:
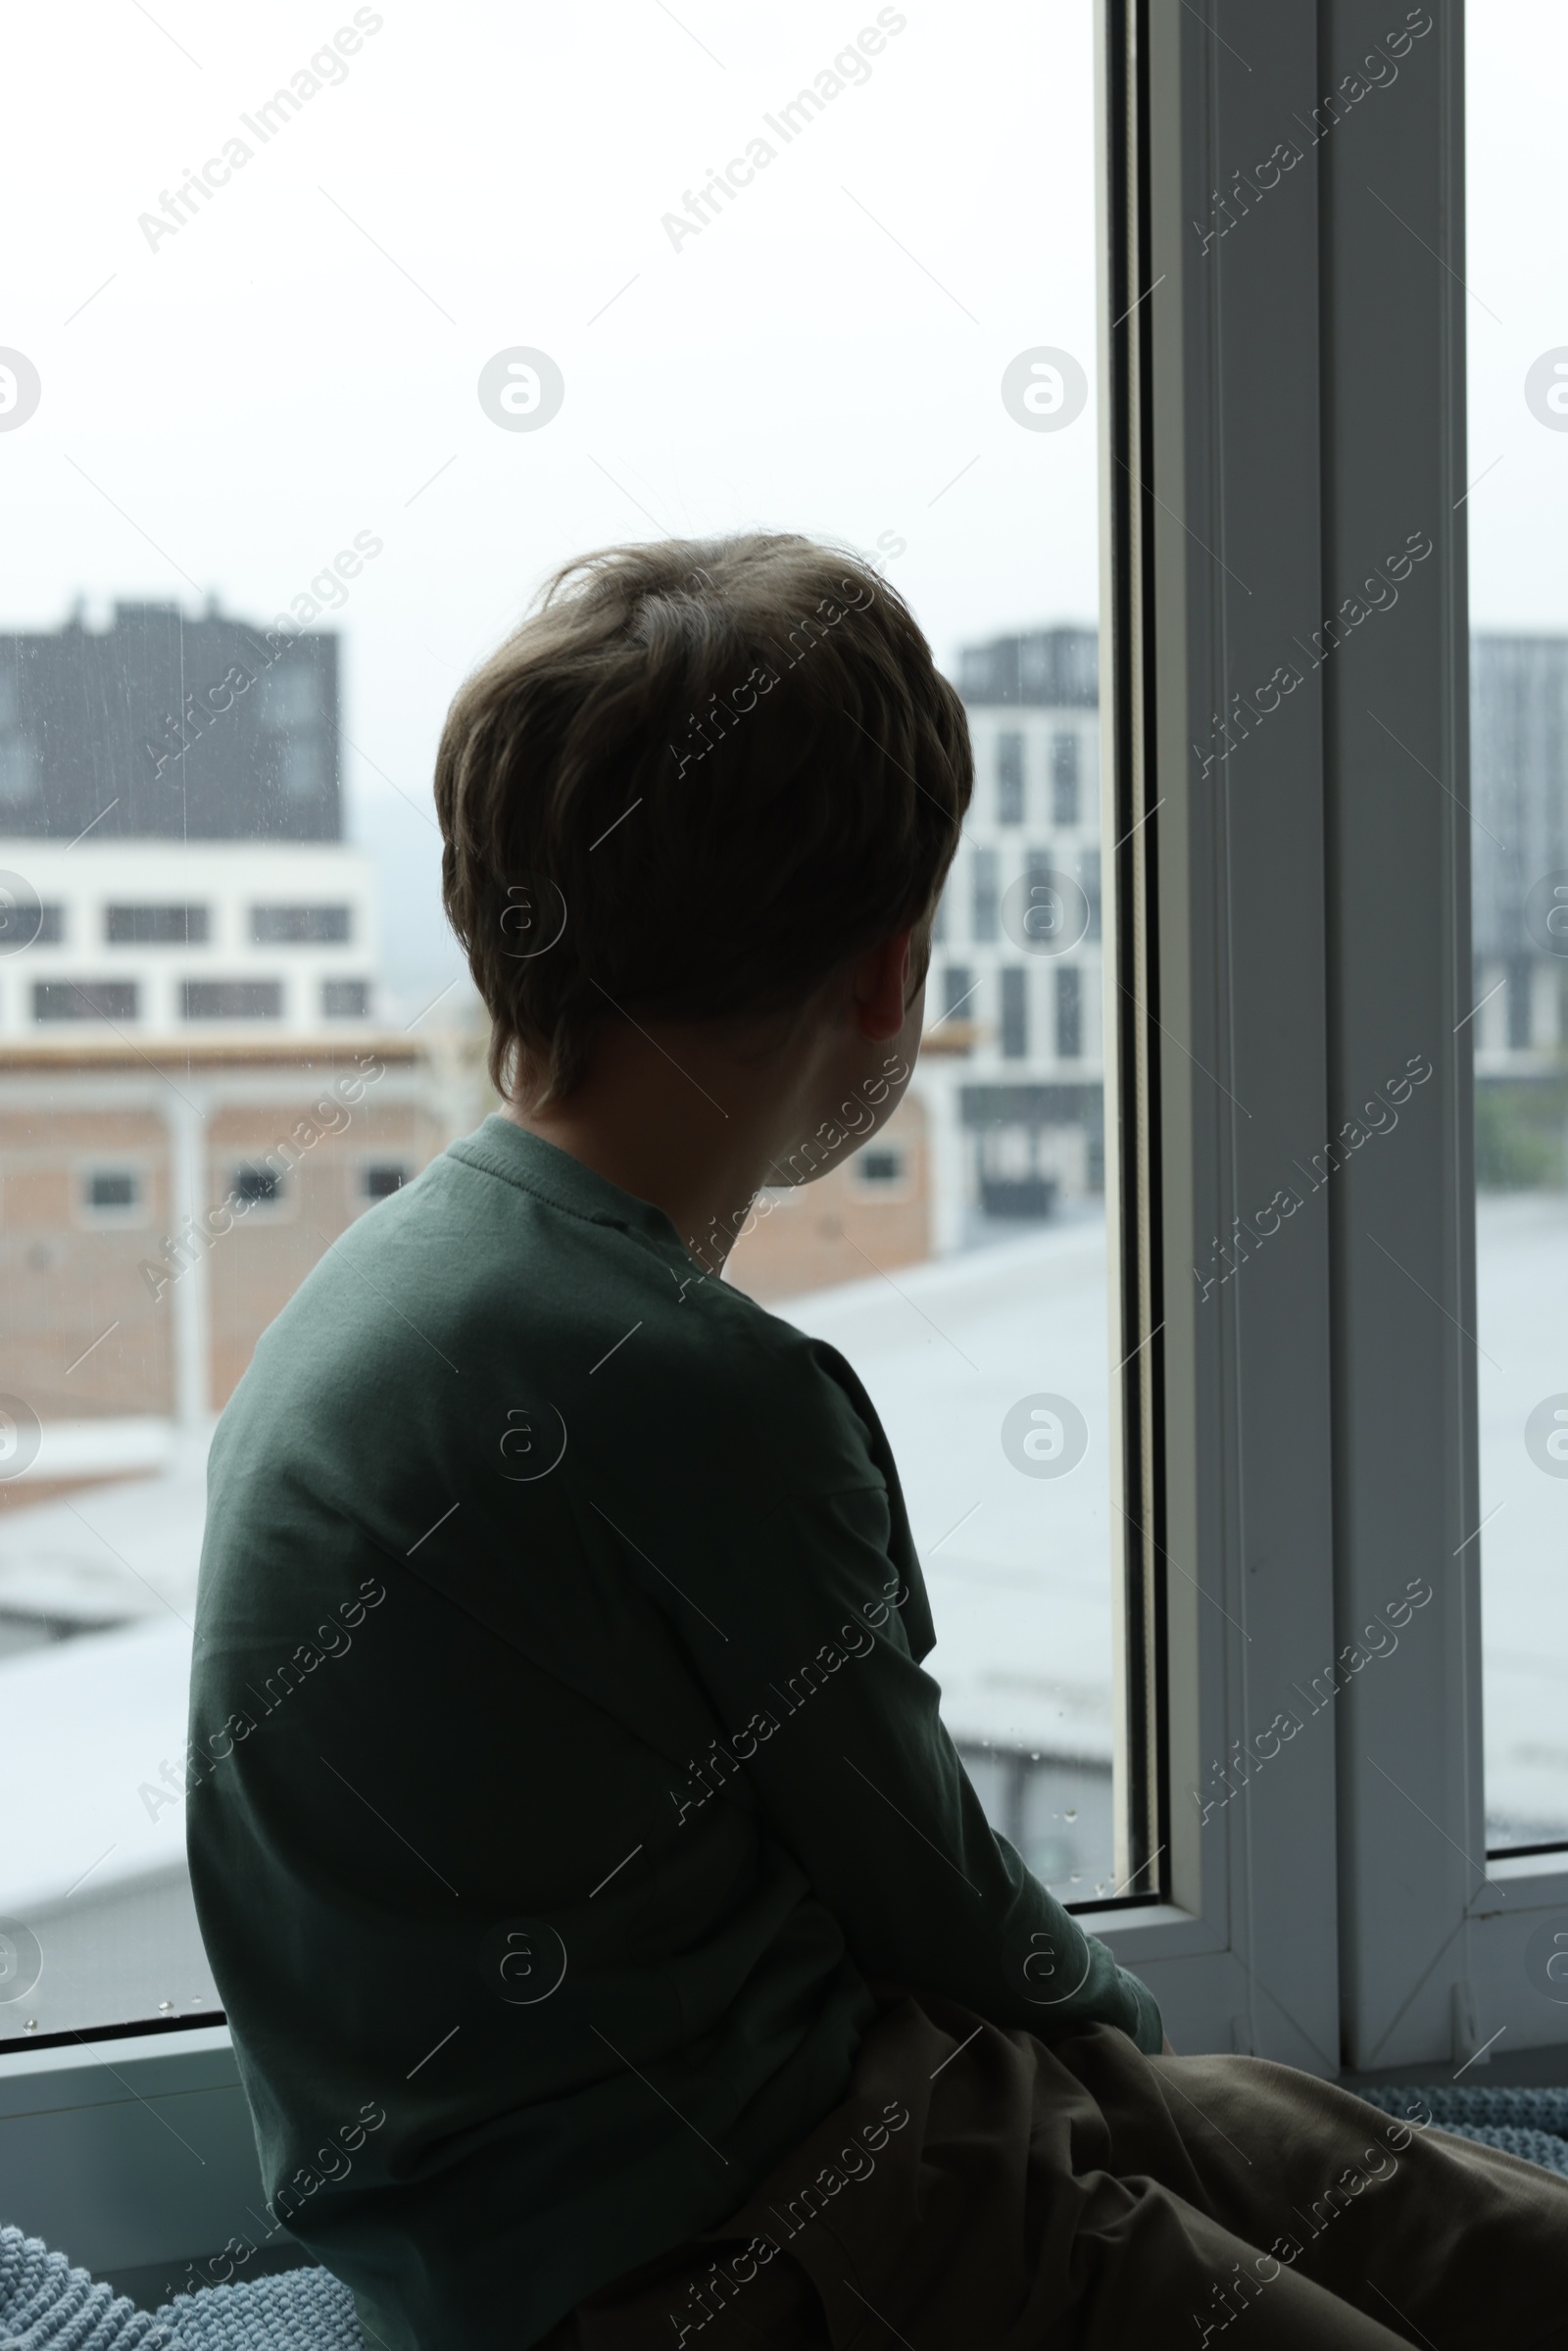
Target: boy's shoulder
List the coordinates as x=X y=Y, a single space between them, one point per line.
x=502 y=1290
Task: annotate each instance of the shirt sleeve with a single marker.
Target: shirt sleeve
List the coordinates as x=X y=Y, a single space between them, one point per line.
x=835 y=1727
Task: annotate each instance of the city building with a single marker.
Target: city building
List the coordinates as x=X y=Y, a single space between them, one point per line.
x=1519 y=908
x=195 y=1094
x=1002 y=1126
x=1519 y=847
x=1012 y=1070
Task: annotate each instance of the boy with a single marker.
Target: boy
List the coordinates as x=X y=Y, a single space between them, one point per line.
x=613 y=1946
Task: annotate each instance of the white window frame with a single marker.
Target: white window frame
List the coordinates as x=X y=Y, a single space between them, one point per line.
x=1299 y=1442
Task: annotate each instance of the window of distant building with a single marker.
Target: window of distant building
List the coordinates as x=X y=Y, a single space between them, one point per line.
x=1089 y=882
x=345 y=1000
x=985 y=896
x=110 y=1195
x=1065 y=779
x=939 y=921
x=882 y=1168
x=18 y=775
x=258 y=1187
x=51 y=930
x=958 y=992
x=300 y=926
x=1015 y=1012
x=1069 y=1012
x=383 y=1179
x=1521 y=983
x=1009 y=779
x=84 y=1000
x=231 y=1000
x=157 y=926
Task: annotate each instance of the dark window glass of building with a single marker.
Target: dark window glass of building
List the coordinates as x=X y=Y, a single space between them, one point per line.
x=957 y=991
x=84 y=1000
x=1015 y=1012
x=157 y=926
x=985 y=895
x=381 y=1182
x=1089 y=881
x=111 y=1188
x=256 y=1186
x=1009 y=779
x=1069 y=1012
x=231 y=1000
x=879 y=1165
x=1521 y=983
x=300 y=926
x=345 y=1000
x=51 y=930
x=1065 y=779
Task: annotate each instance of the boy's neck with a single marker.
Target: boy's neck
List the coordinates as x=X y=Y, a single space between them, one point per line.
x=695 y=1116
x=681 y=1120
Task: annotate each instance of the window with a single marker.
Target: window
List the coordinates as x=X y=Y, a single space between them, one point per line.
x=84 y=1000
x=878 y=1167
x=382 y=1180
x=257 y=1187
x=959 y=986
x=1168 y=1200
x=1015 y=1012
x=1521 y=981
x=51 y=931
x=345 y=1000
x=1089 y=883
x=1010 y=778
x=1518 y=844
x=300 y=926
x=112 y=1194
x=156 y=927
x=1069 y=1012
x=1063 y=779
x=231 y=1000
x=982 y=895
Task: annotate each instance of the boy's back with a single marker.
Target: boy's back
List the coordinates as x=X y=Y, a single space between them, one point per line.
x=560 y=1762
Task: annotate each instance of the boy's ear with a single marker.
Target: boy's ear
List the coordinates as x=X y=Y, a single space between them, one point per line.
x=882 y=988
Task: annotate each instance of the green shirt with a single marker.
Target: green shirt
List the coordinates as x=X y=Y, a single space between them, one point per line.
x=562 y=1764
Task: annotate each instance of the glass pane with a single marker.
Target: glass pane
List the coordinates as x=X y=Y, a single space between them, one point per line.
x=291 y=433
x=1518 y=509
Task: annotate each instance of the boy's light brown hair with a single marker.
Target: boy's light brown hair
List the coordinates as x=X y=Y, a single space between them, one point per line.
x=698 y=779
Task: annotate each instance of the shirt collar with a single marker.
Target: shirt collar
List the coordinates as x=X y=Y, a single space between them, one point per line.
x=522 y=1157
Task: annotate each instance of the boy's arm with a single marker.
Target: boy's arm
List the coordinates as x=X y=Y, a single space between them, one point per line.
x=835 y=1729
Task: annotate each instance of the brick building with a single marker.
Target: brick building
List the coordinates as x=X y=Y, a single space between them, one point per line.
x=159 y=1206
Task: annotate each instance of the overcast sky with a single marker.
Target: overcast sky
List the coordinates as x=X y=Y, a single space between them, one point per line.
x=257 y=387
x=300 y=361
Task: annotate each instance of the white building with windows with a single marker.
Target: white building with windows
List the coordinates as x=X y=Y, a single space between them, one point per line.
x=1012 y=1070
x=199 y=938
